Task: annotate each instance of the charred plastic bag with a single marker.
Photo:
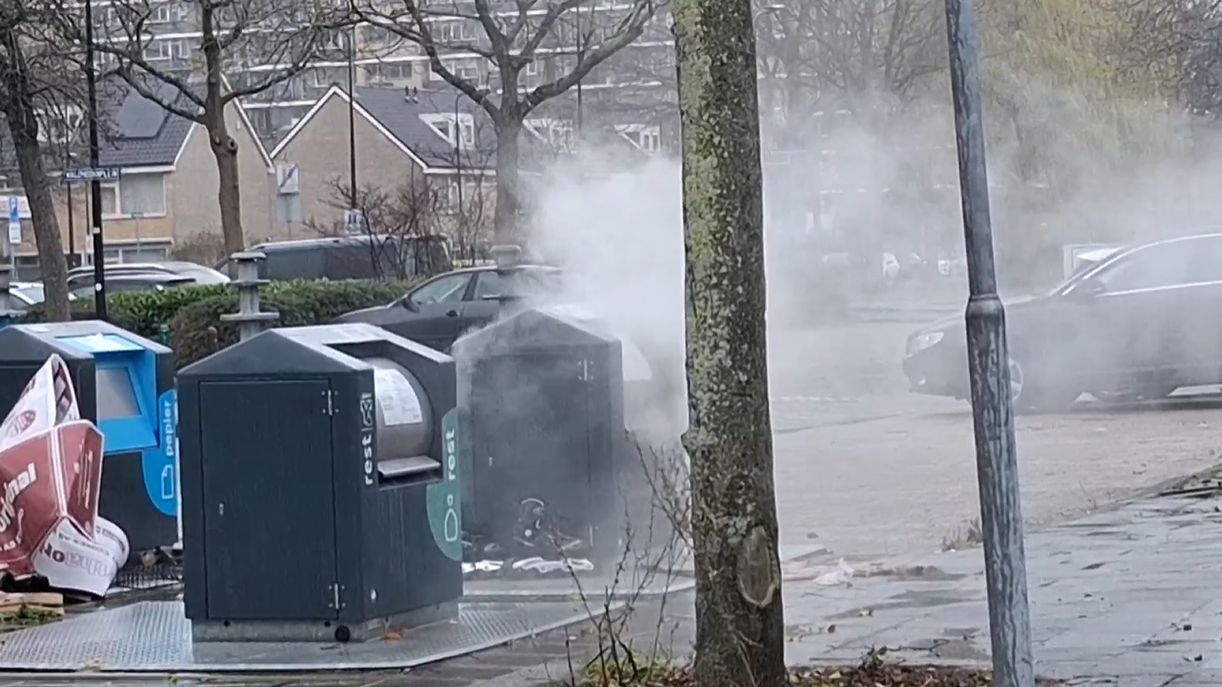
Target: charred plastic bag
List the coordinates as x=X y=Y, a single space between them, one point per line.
x=50 y=472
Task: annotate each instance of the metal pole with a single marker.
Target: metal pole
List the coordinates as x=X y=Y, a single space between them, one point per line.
x=95 y=186
x=352 y=118
x=458 y=150
x=71 y=228
x=992 y=410
x=580 y=55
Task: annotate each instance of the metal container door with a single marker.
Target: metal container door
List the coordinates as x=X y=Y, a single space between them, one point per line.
x=268 y=500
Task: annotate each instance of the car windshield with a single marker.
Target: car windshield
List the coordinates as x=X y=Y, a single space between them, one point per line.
x=527 y=281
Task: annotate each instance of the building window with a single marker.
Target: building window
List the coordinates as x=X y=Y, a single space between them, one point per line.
x=135 y=195
x=110 y=200
x=59 y=126
x=390 y=71
x=157 y=50
x=651 y=139
x=154 y=250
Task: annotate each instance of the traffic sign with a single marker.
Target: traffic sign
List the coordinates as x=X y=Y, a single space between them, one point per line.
x=91 y=174
x=14 y=220
x=354 y=222
x=288 y=179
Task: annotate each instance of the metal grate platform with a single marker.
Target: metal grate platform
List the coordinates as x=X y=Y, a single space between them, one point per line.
x=155 y=636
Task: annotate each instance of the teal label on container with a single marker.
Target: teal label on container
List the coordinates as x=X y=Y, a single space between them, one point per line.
x=444 y=498
x=160 y=465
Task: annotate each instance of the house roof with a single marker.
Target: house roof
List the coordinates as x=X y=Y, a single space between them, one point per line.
x=138 y=132
x=405 y=121
x=133 y=131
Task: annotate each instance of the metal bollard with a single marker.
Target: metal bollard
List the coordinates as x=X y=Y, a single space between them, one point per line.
x=7 y=311
x=250 y=319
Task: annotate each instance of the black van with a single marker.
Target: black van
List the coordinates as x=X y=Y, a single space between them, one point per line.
x=353 y=257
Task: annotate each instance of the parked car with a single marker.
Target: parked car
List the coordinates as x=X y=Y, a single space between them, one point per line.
x=123 y=282
x=25 y=294
x=1141 y=323
x=438 y=311
x=83 y=277
x=352 y=257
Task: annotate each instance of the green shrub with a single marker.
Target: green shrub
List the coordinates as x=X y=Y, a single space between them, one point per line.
x=139 y=312
x=190 y=311
x=299 y=303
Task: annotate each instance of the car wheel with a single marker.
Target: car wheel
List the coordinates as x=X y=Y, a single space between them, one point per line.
x=1037 y=393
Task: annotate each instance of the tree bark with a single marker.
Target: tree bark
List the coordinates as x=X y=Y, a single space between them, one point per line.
x=739 y=617
x=22 y=121
x=508 y=204
x=224 y=147
x=225 y=150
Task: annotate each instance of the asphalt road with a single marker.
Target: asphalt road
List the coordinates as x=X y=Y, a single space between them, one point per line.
x=871 y=471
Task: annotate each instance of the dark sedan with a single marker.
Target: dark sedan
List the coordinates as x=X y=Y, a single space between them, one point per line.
x=441 y=309
x=1140 y=324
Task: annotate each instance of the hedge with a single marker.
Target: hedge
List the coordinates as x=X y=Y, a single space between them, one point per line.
x=190 y=312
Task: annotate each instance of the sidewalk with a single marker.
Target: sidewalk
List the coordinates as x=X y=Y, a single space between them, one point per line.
x=1128 y=597
x=1132 y=596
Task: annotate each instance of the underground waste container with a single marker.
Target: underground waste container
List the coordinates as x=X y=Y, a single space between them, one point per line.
x=321 y=497
x=547 y=460
x=125 y=385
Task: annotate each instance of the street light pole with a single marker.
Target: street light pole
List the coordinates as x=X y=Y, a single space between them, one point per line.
x=1005 y=562
x=458 y=155
x=352 y=118
x=577 y=64
x=95 y=186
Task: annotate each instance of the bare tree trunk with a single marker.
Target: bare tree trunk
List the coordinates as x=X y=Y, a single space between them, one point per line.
x=225 y=150
x=224 y=147
x=22 y=120
x=739 y=617
x=508 y=205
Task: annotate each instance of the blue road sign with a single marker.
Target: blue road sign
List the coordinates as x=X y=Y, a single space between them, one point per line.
x=14 y=220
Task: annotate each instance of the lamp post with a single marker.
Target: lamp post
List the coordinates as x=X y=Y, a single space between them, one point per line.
x=69 y=157
x=95 y=186
x=1005 y=563
x=458 y=150
x=352 y=191
x=580 y=56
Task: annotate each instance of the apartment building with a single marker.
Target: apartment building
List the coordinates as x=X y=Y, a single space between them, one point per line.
x=624 y=89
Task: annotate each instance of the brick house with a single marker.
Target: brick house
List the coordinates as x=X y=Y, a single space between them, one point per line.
x=437 y=138
x=167 y=190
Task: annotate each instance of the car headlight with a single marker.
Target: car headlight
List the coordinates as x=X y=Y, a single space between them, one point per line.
x=922 y=341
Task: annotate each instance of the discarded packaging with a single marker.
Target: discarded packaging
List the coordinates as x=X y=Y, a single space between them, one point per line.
x=841 y=574
x=50 y=472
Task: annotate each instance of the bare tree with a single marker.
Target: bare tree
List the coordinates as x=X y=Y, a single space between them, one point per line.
x=867 y=54
x=500 y=41
x=38 y=83
x=256 y=43
x=1173 y=45
x=740 y=626
x=395 y=219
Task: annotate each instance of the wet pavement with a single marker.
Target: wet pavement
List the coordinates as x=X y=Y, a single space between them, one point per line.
x=1125 y=597
x=885 y=478
x=872 y=471
x=1130 y=595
